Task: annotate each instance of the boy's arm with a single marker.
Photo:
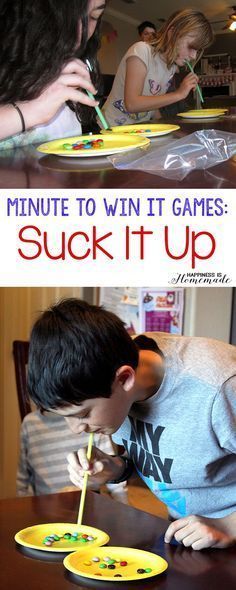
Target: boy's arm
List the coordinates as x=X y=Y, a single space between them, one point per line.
x=102 y=468
x=229 y=524
x=200 y=532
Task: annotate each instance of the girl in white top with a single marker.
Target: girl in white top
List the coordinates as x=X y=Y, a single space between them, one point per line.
x=40 y=67
x=145 y=72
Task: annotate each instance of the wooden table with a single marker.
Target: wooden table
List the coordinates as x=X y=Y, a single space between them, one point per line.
x=26 y=168
x=188 y=570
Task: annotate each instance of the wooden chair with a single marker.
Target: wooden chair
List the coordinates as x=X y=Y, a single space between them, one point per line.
x=20 y=355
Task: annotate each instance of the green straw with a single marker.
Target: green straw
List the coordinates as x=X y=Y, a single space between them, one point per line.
x=198 y=87
x=97 y=109
x=99 y=112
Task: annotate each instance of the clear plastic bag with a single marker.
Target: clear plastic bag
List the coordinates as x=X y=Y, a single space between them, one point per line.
x=198 y=151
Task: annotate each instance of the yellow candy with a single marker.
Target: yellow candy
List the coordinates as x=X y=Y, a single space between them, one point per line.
x=87 y=562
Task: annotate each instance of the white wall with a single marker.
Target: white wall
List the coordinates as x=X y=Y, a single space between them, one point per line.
x=111 y=53
x=208 y=312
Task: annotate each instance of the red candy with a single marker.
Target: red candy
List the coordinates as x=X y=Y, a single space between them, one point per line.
x=123 y=563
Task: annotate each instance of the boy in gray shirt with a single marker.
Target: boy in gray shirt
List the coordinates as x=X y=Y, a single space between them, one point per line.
x=169 y=400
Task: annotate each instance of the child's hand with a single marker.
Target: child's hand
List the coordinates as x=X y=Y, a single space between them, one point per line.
x=188 y=83
x=74 y=78
x=199 y=532
x=101 y=467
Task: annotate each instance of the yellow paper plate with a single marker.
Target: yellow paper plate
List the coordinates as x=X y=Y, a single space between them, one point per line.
x=203 y=114
x=33 y=537
x=146 y=129
x=111 y=145
x=82 y=564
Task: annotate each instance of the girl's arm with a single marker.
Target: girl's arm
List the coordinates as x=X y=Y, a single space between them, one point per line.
x=10 y=122
x=73 y=79
x=136 y=102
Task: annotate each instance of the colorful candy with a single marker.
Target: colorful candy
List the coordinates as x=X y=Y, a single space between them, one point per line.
x=139 y=131
x=72 y=537
x=85 y=144
x=107 y=563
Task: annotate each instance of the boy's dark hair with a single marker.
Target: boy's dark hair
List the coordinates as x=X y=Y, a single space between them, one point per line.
x=146 y=23
x=145 y=343
x=75 y=351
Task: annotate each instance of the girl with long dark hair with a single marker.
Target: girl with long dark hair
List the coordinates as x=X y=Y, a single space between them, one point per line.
x=44 y=45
